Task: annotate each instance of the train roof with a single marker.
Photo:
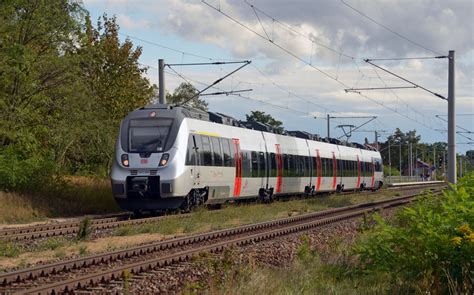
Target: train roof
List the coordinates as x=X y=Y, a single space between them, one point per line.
x=221 y=118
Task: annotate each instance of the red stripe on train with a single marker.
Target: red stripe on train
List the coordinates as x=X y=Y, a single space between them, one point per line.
x=238 y=167
x=318 y=170
x=279 y=168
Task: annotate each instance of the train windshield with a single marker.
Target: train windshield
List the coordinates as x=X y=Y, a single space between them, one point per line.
x=148 y=135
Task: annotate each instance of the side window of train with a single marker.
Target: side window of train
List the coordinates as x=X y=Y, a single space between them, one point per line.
x=261 y=164
x=324 y=167
x=330 y=167
x=285 y=165
x=378 y=165
x=307 y=166
x=191 y=155
x=254 y=158
x=199 y=155
x=217 y=152
x=226 y=152
x=206 y=152
x=291 y=166
x=246 y=164
x=273 y=165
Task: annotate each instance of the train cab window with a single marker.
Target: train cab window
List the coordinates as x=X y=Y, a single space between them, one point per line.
x=261 y=164
x=226 y=152
x=148 y=135
x=206 y=152
x=217 y=152
x=273 y=165
x=254 y=157
x=378 y=165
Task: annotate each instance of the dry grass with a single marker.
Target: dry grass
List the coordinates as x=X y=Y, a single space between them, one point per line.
x=15 y=208
x=76 y=196
x=53 y=248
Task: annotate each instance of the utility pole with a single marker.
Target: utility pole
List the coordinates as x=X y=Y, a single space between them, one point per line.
x=434 y=163
x=451 y=122
x=161 y=81
x=410 y=161
x=444 y=164
x=329 y=118
x=376 y=140
x=389 y=162
x=400 y=158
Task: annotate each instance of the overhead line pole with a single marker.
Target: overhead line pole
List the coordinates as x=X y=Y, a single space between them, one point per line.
x=161 y=81
x=451 y=121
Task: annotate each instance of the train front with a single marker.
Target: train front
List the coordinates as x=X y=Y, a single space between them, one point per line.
x=146 y=164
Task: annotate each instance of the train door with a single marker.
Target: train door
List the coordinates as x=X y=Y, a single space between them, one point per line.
x=358 y=172
x=194 y=161
x=334 y=171
x=238 y=166
x=319 y=170
x=372 y=166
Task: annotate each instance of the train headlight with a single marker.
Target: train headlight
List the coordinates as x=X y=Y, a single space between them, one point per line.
x=125 y=161
x=164 y=159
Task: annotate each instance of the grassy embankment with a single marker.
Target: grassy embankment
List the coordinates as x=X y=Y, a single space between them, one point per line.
x=74 y=196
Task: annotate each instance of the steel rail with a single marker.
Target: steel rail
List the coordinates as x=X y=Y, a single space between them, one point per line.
x=69 y=228
x=84 y=262
x=105 y=276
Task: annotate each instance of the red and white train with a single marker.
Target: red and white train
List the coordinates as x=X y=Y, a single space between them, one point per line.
x=171 y=157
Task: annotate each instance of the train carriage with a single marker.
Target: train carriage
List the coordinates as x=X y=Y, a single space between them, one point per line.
x=177 y=157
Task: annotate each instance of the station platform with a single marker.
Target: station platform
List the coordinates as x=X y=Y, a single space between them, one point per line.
x=414 y=183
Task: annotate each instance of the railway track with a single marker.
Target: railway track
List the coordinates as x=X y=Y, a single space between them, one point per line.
x=72 y=227
x=85 y=272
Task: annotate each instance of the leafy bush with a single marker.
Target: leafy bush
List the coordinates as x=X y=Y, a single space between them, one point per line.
x=429 y=246
x=85 y=229
x=386 y=171
x=23 y=167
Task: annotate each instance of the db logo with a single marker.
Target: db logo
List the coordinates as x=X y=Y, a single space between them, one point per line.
x=143 y=161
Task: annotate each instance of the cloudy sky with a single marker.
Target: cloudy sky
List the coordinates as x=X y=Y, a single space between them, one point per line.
x=306 y=53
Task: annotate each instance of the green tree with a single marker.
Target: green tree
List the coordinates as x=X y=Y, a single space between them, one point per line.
x=399 y=139
x=112 y=69
x=112 y=85
x=37 y=54
x=64 y=87
x=37 y=42
x=266 y=119
x=184 y=92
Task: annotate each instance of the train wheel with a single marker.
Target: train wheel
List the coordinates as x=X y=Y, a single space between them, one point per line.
x=137 y=213
x=265 y=196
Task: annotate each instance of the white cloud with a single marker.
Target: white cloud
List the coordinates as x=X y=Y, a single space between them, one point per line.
x=128 y=22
